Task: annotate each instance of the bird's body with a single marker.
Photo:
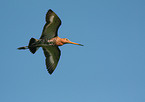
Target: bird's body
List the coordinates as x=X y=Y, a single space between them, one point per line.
x=56 y=41
x=49 y=41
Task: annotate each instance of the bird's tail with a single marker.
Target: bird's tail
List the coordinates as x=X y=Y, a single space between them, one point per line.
x=32 y=46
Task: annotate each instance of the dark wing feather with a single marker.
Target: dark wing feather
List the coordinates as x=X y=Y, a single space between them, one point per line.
x=52 y=54
x=51 y=27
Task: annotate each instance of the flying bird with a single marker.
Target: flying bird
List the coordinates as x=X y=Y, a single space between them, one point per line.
x=49 y=41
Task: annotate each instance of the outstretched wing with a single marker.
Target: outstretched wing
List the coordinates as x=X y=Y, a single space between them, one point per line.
x=51 y=27
x=52 y=54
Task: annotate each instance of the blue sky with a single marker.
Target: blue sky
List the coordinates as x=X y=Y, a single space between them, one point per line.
x=109 y=68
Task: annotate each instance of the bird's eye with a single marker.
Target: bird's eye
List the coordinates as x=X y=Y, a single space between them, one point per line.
x=66 y=39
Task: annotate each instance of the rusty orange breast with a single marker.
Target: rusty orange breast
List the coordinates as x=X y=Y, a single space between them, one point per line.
x=57 y=41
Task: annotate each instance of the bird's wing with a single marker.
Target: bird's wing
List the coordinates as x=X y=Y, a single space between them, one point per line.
x=52 y=54
x=51 y=27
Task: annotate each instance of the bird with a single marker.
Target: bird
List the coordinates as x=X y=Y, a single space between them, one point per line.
x=49 y=41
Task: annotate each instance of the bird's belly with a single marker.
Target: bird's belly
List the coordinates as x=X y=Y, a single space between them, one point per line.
x=54 y=41
x=44 y=43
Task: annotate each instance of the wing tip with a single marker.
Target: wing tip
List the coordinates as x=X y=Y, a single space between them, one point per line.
x=50 y=71
x=50 y=10
x=49 y=14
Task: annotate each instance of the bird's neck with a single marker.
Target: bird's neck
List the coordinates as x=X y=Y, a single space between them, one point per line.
x=57 y=41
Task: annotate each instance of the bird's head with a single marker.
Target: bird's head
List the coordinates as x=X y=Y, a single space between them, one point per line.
x=67 y=41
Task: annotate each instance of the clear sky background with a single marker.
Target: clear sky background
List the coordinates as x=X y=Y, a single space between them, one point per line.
x=109 y=68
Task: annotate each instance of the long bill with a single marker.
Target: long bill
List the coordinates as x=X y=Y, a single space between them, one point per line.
x=75 y=43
